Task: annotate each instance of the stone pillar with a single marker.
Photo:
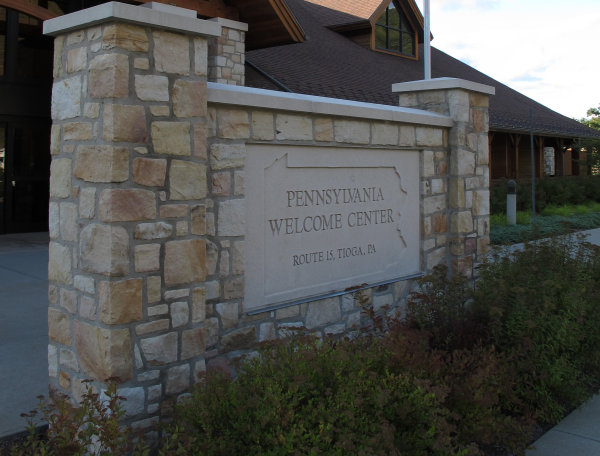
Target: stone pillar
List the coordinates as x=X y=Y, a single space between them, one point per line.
x=127 y=202
x=227 y=53
x=468 y=194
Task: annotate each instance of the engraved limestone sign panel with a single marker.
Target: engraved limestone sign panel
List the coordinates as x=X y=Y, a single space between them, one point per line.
x=324 y=219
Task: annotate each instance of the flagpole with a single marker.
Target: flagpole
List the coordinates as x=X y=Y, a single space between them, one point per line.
x=426 y=41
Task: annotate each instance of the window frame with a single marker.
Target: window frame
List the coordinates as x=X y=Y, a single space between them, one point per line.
x=402 y=11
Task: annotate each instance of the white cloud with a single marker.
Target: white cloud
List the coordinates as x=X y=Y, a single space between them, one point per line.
x=542 y=48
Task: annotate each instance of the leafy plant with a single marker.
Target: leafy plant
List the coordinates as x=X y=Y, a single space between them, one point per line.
x=313 y=398
x=549 y=191
x=538 y=305
x=92 y=428
x=439 y=306
x=545 y=226
x=469 y=370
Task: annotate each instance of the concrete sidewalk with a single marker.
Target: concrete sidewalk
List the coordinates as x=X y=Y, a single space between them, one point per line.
x=578 y=434
x=23 y=327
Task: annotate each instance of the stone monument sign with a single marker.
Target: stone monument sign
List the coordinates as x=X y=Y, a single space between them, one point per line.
x=322 y=220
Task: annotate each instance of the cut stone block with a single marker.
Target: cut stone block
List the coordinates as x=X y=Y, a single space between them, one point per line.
x=185 y=262
x=124 y=205
x=103 y=353
x=120 y=302
x=104 y=249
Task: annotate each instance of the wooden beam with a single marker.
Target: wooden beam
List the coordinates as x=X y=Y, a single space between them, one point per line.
x=541 y=157
x=288 y=20
x=517 y=140
x=562 y=148
x=207 y=8
x=507 y=170
x=28 y=8
x=490 y=138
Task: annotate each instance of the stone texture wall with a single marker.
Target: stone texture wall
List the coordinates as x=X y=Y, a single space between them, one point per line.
x=230 y=332
x=467 y=212
x=227 y=53
x=127 y=213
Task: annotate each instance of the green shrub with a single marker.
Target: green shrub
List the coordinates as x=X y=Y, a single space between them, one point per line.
x=545 y=226
x=467 y=371
x=540 y=306
x=93 y=428
x=315 y=398
x=439 y=307
x=536 y=310
x=555 y=191
x=479 y=379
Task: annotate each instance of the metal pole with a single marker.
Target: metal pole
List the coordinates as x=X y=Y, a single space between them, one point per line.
x=532 y=166
x=426 y=42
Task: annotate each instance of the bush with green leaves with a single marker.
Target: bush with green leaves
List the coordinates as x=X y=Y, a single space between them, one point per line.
x=544 y=227
x=540 y=307
x=93 y=428
x=478 y=378
x=555 y=191
x=469 y=370
x=311 y=397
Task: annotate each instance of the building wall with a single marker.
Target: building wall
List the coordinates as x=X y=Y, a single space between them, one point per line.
x=511 y=156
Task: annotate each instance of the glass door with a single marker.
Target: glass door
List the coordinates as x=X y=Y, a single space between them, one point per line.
x=2 y=172
x=2 y=40
x=26 y=171
x=25 y=87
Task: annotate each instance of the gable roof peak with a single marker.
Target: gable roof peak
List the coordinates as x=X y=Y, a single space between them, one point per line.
x=359 y=8
x=370 y=10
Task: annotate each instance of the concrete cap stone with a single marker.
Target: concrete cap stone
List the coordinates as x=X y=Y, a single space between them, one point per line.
x=241 y=26
x=162 y=17
x=442 y=84
x=261 y=98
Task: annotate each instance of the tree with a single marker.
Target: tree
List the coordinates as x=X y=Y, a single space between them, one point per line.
x=591 y=146
x=593 y=118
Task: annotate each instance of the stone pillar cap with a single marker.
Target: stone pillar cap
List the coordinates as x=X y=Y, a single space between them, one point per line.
x=161 y=18
x=442 y=84
x=236 y=25
x=170 y=9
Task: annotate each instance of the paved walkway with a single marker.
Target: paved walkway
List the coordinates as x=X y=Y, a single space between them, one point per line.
x=577 y=435
x=24 y=340
x=23 y=327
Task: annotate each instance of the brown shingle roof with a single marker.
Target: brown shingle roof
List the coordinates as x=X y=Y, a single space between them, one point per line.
x=331 y=65
x=359 y=8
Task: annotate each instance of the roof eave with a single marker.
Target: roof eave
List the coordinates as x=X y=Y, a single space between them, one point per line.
x=272 y=25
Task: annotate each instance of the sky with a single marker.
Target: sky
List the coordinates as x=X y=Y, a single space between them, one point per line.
x=545 y=49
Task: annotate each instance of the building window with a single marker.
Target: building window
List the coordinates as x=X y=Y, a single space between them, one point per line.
x=394 y=33
x=2 y=39
x=34 y=51
x=25 y=53
x=2 y=158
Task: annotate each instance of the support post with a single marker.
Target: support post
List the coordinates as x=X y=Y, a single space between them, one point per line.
x=468 y=208
x=127 y=254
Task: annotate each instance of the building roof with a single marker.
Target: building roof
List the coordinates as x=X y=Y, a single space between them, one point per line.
x=330 y=64
x=271 y=22
x=363 y=9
